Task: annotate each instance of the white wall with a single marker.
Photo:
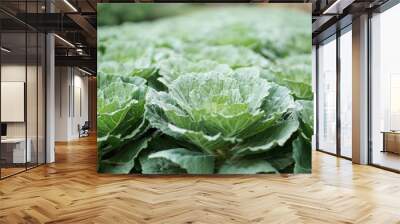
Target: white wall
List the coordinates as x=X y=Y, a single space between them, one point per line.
x=12 y=73
x=62 y=82
x=33 y=126
x=9 y=73
x=70 y=83
x=79 y=117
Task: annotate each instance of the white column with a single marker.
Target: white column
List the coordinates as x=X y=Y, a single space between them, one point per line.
x=50 y=99
x=360 y=90
x=50 y=92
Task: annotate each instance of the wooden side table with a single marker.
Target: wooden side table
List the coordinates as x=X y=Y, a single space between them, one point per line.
x=391 y=141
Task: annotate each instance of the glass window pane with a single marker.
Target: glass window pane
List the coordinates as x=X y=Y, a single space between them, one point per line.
x=22 y=90
x=32 y=88
x=41 y=98
x=31 y=97
x=385 y=87
x=346 y=94
x=14 y=153
x=327 y=97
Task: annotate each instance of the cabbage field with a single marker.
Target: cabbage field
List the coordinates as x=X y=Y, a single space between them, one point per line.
x=218 y=90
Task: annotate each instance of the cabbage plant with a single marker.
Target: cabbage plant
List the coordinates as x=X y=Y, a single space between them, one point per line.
x=232 y=119
x=206 y=92
x=120 y=119
x=293 y=72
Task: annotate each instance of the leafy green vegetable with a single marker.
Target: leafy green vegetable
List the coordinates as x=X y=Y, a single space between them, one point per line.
x=276 y=135
x=124 y=159
x=172 y=68
x=224 y=115
x=120 y=120
x=293 y=72
x=193 y=162
x=247 y=167
x=306 y=114
x=234 y=56
x=206 y=92
x=302 y=155
x=115 y=14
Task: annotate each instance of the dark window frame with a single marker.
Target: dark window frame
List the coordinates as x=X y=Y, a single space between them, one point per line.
x=333 y=37
x=31 y=30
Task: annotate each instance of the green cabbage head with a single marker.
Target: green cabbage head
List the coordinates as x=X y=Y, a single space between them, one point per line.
x=236 y=118
x=121 y=126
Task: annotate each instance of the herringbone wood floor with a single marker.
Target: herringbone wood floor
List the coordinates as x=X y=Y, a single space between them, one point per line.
x=70 y=191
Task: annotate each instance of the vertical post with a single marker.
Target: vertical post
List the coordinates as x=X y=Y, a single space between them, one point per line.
x=369 y=80
x=316 y=97
x=26 y=87
x=37 y=90
x=360 y=90
x=0 y=98
x=338 y=76
x=50 y=93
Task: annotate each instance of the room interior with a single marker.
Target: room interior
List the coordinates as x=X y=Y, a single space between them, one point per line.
x=22 y=101
x=25 y=61
x=336 y=82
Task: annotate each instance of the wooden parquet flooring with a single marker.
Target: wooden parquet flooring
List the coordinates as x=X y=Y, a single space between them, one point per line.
x=70 y=191
x=11 y=170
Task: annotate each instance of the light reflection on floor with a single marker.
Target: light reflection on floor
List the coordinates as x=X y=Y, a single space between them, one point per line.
x=386 y=159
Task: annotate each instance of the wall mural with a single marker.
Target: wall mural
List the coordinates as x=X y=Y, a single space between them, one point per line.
x=204 y=88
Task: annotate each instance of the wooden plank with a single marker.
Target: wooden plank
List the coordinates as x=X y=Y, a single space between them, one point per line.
x=70 y=191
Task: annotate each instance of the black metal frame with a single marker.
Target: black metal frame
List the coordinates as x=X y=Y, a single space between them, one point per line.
x=369 y=90
x=316 y=97
x=44 y=80
x=338 y=75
